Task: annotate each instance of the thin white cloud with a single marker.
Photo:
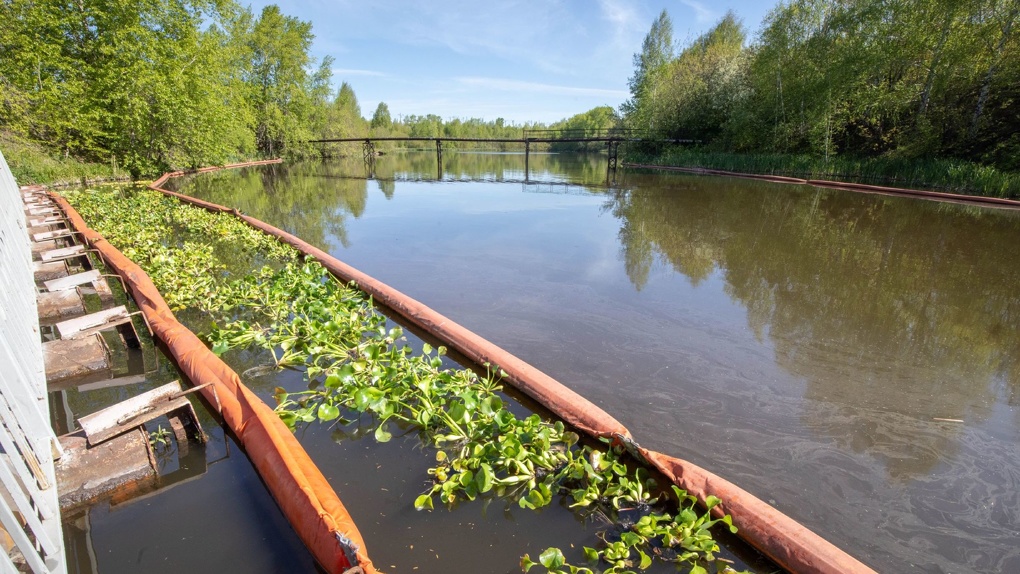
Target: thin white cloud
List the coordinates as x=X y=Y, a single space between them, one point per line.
x=626 y=26
x=701 y=13
x=619 y=13
x=355 y=72
x=505 y=85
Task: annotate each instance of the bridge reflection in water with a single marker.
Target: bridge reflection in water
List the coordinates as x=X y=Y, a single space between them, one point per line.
x=612 y=138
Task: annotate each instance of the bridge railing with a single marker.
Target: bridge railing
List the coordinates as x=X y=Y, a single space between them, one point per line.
x=29 y=509
x=600 y=133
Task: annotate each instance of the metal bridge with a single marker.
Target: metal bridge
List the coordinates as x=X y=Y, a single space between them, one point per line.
x=612 y=137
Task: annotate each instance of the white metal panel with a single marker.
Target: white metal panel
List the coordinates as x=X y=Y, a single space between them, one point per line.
x=27 y=438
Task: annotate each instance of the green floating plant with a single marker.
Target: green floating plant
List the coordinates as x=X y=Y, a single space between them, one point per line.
x=357 y=365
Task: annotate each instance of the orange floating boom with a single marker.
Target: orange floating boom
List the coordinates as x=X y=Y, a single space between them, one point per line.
x=307 y=500
x=784 y=540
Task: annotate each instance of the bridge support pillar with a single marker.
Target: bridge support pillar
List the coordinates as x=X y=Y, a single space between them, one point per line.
x=614 y=153
x=368 y=150
x=439 y=158
x=527 y=154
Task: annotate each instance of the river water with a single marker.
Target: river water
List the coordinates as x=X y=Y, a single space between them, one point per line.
x=853 y=359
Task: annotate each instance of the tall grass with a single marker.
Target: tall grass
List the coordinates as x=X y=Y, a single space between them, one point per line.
x=955 y=176
x=31 y=163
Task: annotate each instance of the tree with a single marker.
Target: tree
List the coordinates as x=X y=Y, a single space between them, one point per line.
x=156 y=85
x=381 y=117
x=656 y=52
x=587 y=123
x=703 y=86
x=347 y=101
x=1003 y=19
x=283 y=94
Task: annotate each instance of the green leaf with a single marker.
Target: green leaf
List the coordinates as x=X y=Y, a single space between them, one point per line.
x=697 y=569
x=381 y=434
x=526 y=563
x=728 y=520
x=220 y=347
x=367 y=397
x=333 y=382
x=423 y=502
x=484 y=478
x=646 y=560
x=492 y=404
x=631 y=539
x=328 y=412
x=591 y=555
x=288 y=418
x=551 y=558
x=345 y=372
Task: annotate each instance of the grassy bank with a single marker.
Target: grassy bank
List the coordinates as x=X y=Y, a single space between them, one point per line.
x=948 y=175
x=31 y=163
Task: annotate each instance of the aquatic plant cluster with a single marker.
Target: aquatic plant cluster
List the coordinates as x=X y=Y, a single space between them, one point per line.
x=358 y=366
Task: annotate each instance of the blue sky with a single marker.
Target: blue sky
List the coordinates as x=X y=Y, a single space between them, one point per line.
x=515 y=59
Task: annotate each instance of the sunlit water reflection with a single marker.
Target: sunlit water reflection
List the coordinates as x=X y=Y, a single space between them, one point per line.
x=853 y=359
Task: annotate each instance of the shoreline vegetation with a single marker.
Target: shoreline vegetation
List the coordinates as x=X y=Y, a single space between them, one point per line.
x=942 y=175
x=905 y=93
x=916 y=93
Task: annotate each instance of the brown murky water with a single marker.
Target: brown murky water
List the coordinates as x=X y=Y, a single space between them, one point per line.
x=853 y=359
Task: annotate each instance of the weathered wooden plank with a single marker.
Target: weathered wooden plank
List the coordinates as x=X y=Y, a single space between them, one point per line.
x=63 y=253
x=72 y=281
x=88 y=324
x=21 y=539
x=55 y=234
x=46 y=221
x=125 y=415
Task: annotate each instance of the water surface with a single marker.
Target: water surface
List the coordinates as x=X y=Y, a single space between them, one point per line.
x=852 y=359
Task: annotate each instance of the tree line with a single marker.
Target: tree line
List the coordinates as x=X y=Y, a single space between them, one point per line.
x=146 y=86
x=868 y=78
x=152 y=85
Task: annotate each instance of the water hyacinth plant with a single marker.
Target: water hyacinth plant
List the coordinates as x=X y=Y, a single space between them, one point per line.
x=358 y=365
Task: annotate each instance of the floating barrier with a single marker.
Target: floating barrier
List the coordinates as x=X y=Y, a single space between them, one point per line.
x=860 y=187
x=307 y=500
x=934 y=195
x=705 y=171
x=776 y=535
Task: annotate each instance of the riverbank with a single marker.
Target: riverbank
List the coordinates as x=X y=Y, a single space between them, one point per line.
x=942 y=175
x=33 y=164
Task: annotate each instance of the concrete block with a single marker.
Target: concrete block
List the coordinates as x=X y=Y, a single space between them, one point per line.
x=67 y=358
x=50 y=270
x=86 y=473
x=59 y=304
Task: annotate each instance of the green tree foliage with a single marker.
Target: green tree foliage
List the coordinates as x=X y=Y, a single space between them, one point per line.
x=699 y=91
x=590 y=123
x=152 y=85
x=281 y=91
x=381 y=118
x=656 y=52
x=907 y=78
x=342 y=120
